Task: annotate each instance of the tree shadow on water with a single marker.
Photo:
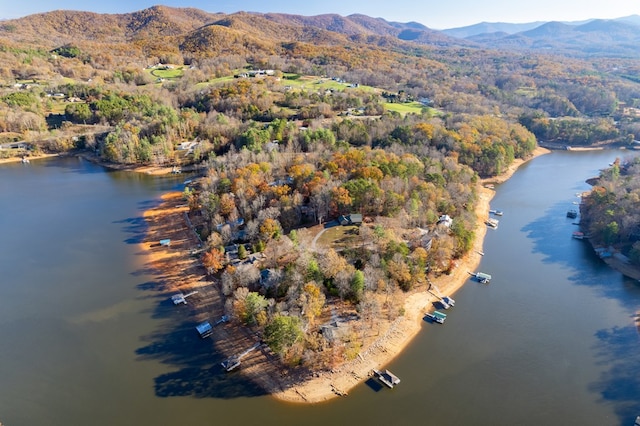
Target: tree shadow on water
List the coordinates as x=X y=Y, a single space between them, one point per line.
x=134 y=226
x=620 y=384
x=551 y=235
x=198 y=372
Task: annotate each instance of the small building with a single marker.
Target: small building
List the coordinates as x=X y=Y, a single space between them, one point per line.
x=351 y=219
x=335 y=330
x=165 y=242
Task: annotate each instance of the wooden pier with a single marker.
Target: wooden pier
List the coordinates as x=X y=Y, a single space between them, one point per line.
x=234 y=362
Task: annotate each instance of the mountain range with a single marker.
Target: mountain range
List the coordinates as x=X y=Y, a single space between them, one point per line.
x=195 y=29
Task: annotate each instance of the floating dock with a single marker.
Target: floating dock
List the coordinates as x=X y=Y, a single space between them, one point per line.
x=234 y=361
x=181 y=299
x=445 y=301
x=492 y=223
x=436 y=316
x=481 y=277
x=387 y=377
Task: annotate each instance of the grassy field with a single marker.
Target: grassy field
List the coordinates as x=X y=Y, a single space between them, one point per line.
x=172 y=73
x=340 y=237
x=320 y=83
x=405 y=108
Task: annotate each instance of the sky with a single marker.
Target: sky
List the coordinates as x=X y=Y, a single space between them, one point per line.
x=435 y=14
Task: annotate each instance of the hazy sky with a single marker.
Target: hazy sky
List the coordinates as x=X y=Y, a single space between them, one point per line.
x=437 y=14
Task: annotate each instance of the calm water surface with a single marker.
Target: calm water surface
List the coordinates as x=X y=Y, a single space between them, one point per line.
x=85 y=339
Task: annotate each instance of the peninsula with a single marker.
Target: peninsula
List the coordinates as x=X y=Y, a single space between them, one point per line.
x=180 y=271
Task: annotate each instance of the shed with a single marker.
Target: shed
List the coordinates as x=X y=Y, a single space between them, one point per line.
x=165 y=242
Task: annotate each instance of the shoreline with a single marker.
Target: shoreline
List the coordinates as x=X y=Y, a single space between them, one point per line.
x=339 y=381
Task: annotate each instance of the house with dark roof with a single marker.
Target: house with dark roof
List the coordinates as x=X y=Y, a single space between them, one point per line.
x=351 y=219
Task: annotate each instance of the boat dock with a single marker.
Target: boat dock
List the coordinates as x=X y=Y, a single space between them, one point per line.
x=204 y=329
x=481 y=277
x=436 y=316
x=181 y=299
x=234 y=362
x=445 y=301
x=492 y=223
x=387 y=377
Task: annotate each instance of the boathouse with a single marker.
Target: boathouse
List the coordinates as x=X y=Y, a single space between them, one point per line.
x=204 y=329
x=387 y=377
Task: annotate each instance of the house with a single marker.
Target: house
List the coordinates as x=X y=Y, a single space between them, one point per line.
x=351 y=219
x=269 y=277
x=445 y=220
x=187 y=146
x=335 y=330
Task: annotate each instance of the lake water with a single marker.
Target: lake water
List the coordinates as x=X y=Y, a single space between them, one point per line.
x=86 y=340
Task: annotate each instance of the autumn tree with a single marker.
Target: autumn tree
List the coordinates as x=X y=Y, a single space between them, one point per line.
x=213 y=260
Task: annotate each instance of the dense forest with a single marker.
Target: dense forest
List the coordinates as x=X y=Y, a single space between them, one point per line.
x=295 y=122
x=610 y=212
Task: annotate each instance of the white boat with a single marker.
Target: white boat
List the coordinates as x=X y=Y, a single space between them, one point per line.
x=496 y=212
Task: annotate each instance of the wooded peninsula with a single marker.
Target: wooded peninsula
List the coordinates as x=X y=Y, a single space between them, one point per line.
x=340 y=172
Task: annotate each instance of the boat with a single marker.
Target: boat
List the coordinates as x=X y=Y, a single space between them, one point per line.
x=387 y=377
x=572 y=214
x=578 y=235
x=496 y=212
x=436 y=316
x=25 y=160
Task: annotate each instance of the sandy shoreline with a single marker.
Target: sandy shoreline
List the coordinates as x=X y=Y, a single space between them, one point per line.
x=327 y=385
